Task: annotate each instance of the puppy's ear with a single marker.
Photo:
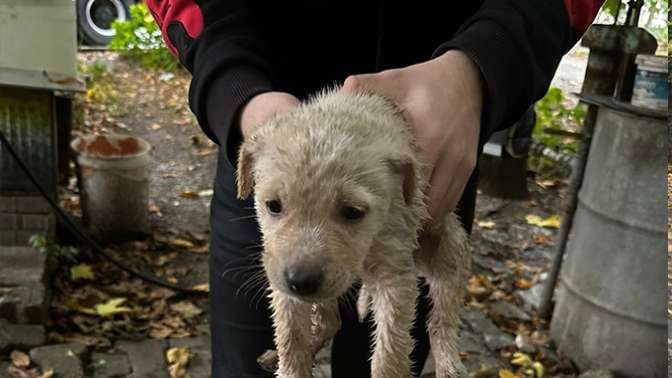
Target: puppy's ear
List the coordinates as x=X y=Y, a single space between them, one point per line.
x=405 y=167
x=244 y=171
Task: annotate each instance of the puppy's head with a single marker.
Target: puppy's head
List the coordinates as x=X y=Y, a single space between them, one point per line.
x=322 y=195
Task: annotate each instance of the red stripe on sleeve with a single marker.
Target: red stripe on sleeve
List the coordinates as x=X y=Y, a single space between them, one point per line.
x=186 y=12
x=582 y=13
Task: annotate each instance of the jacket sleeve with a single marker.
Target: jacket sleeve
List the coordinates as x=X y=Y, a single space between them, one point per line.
x=221 y=43
x=517 y=45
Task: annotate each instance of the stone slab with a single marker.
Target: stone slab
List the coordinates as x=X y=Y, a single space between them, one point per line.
x=65 y=359
x=147 y=358
x=108 y=365
x=20 y=336
x=24 y=296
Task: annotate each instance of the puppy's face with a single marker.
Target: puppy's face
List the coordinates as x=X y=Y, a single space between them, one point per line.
x=319 y=209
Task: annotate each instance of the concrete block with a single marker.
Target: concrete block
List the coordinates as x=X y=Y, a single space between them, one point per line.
x=65 y=359
x=21 y=336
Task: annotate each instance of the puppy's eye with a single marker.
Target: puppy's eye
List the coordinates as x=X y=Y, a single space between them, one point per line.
x=352 y=213
x=274 y=207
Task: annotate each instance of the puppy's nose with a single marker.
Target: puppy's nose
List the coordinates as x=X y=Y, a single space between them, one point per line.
x=303 y=281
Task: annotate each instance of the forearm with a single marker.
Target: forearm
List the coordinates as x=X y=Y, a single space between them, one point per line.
x=517 y=46
x=222 y=44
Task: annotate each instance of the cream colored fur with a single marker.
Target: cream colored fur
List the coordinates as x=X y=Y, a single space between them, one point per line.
x=336 y=151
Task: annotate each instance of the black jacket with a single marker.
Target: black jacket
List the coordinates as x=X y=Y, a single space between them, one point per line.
x=236 y=49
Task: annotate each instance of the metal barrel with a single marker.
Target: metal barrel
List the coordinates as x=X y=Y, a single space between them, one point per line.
x=611 y=303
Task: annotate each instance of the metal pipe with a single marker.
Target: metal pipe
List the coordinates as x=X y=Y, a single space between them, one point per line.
x=568 y=210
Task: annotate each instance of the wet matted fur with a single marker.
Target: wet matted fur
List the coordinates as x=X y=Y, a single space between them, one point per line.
x=338 y=194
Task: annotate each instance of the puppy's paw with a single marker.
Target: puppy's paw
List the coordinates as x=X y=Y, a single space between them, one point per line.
x=269 y=361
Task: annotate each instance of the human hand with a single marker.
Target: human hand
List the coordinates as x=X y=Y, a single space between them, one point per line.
x=262 y=107
x=442 y=100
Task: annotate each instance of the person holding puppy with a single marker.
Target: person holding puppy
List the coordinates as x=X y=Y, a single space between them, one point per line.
x=457 y=70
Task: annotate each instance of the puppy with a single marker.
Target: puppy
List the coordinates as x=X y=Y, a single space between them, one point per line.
x=338 y=193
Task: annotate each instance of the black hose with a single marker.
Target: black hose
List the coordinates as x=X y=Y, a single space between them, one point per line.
x=81 y=235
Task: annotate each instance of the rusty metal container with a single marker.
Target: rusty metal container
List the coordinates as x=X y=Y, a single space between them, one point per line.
x=113 y=174
x=611 y=302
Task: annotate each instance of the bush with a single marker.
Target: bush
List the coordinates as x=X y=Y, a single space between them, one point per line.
x=555 y=111
x=139 y=38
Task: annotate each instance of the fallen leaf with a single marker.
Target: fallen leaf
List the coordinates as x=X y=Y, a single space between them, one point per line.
x=164 y=259
x=73 y=305
x=204 y=151
x=200 y=249
x=184 y=121
x=153 y=209
x=16 y=372
x=81 y=272
x=160 y=331
x=541 y=239
x=202 y=287
x=550 y=222
x=206 y=193
x=521 y=359
x=189 y=194
x=112 y=307
x=548 y=183
x=178 y=360
x=187 y=309
x=506 y=373
x=181 y=243
x=486 y=224
x=19 y=359
x=523 y=283
x=47 y=374
x=479 y=287
x=538 y=369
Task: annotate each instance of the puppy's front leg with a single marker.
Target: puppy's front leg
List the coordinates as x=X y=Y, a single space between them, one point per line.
x=326 y=321
x=393 y=296
x=291 y=321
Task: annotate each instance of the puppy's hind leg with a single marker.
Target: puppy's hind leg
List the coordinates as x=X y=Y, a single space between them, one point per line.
x=291 y=321
x=393 y=291
x=445 y=263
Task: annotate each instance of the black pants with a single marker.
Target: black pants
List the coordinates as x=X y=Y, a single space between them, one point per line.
x=241 y=327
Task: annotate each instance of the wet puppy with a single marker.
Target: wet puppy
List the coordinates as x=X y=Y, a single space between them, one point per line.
x=338 y=193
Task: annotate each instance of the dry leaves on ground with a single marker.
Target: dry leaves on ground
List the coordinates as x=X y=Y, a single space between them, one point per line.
x=178 y=361
x=551 y=222
x=19 y=359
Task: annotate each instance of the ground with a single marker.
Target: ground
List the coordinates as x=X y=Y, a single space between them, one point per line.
x=133 y=323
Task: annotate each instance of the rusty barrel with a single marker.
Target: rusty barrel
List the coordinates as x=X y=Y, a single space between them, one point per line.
x=611 y=302
x=113 y=174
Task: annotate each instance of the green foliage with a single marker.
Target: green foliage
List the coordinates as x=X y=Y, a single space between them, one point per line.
x=48 y=247
x=139 y=38
x=611 y=7
x=556 y=112
x=94 y=71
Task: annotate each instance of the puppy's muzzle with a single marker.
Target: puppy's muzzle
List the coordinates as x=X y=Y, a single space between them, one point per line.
x=304 y=280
